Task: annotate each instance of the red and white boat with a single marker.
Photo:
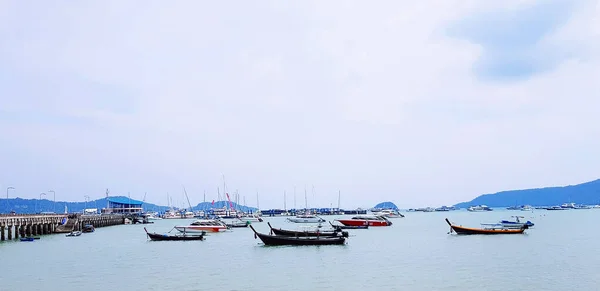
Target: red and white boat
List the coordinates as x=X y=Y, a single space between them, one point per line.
x=370 y=220
x=206 y=225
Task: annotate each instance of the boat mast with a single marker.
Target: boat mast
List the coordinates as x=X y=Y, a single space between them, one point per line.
x=339 y=195
x=284 y=200
x=188 y=199
x=107 y=203
x=305 y=200
x=257 y=205
x=225 y=191
x=294 y=198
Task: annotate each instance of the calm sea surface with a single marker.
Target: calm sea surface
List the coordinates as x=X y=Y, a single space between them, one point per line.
x=415 y=253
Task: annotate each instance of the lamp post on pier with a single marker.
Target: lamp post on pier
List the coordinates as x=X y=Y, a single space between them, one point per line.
x=8 y=204
x=44 y=194
x=86 y=201
x=54 y=200
x=9 y=188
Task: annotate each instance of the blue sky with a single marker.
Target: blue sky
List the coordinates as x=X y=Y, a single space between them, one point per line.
x=420 y=103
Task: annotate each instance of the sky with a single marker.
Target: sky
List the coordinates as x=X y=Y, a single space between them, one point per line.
x=422 y=103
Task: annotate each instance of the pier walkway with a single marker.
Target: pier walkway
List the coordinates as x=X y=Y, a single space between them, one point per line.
x=27 y=225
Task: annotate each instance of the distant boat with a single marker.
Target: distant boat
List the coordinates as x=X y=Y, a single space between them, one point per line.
x=306 y=218
x=203 y=225
x=367 y=220
x=557 y=208
x=389 y=213
x=479 y=208
x=487 y=230
x=517 y=223
x=526 y=208
x=27 y=239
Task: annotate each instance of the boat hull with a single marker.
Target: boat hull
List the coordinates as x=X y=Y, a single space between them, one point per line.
x=164 y=237
x=294 y=233
x=200 y=229
x=251 y=219
x=277 y=240
x=470 y=231
x=360 y=222
x=305 y=220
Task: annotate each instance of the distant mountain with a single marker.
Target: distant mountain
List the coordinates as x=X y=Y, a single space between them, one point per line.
x=221 y=204
x=386 y=205
x=586 y=193
x=20 y=205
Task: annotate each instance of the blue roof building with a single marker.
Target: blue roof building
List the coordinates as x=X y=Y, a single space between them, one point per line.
x=120 y=204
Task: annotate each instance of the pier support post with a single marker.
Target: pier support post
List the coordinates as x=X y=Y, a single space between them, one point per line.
x=10 y=232
x=34 y=229
x=28 y=230
x=17 y=231
x=2 y=232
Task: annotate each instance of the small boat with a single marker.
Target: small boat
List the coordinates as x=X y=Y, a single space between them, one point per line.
x=369 y=220
x=180 y=237
x=88 y=228
x=203 y=225
x=557 y=208
x=349 y=226
x=250 y=218
x=74 y=233
x=304 y=233
x=479 y=208
x=279 y=240
x=306 y=218
x=239 y=223
x=526 y=208
x=28 y=238
x=488 y=230
x=390 y=213
x=517 y=223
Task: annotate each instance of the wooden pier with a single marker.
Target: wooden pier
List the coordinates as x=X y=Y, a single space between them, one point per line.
x=27 y=225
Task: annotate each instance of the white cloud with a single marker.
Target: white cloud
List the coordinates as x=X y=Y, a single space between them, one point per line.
x=372 y=99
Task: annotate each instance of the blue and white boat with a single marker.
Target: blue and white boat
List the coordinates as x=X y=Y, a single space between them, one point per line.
x=517 y=223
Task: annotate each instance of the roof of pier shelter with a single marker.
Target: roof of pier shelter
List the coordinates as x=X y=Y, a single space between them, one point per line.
x=124 y=200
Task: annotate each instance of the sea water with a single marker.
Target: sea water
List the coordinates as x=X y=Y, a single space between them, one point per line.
x=415 y=253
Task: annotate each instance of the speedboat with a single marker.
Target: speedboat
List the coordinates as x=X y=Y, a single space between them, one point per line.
x=250 y=218
x=517 y=223
x=390 y=213
x=306 y=218
x=203 y=225
x=370 y=220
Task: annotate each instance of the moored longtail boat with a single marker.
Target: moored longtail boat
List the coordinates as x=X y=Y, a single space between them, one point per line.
x=300 y=233
x=165 y=237
x=278 y=240
x=469 y=230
